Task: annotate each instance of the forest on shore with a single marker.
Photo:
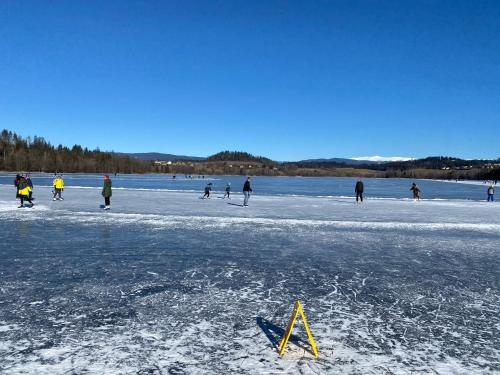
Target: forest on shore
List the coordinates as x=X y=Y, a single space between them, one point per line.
x=35 y=154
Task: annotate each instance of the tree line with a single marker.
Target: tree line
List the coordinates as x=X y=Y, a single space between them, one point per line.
x=37 y=155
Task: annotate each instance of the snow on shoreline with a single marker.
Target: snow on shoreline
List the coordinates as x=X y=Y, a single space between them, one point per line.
x=485 y=183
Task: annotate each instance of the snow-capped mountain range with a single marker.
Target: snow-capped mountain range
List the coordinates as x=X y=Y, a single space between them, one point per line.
x=378 y=158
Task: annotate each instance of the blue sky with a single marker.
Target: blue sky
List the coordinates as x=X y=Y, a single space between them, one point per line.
x=285 y=79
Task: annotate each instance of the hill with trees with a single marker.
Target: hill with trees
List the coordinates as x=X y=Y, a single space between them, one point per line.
x=239 y=156
x=37 y=155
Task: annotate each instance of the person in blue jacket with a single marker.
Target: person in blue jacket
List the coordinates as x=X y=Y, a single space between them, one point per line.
x=227 y=191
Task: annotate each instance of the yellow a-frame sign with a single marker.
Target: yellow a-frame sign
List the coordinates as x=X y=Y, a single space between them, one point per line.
x=284 y=340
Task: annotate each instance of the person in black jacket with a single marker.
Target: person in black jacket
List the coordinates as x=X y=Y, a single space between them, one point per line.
x=247 y=189
x=24 y=192
x=208 y=188
x=416 y=191
x=30 y=184
x=359 y=190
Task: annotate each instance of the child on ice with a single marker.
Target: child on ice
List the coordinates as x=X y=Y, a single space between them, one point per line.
x=58 y=185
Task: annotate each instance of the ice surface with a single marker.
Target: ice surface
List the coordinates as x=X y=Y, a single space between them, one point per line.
x=297 y=186
x=167 y=283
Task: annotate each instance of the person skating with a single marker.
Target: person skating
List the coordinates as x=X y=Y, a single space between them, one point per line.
x=58 y=185
x=16 y=184
x=30 y=184
x=247 y=189
x=416 y=191
x=24 y=192
x=106 y=192
x=358 y=189
x=228 y=191
x=208 y=189
x=491 y=193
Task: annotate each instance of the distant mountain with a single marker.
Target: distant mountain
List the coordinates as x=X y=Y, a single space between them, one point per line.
x=442 y=162
x=162 y=157
x=382 y=159
x=342 y=161
x=243 y=156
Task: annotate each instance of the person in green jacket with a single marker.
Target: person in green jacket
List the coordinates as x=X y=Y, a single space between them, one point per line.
x=106 y=192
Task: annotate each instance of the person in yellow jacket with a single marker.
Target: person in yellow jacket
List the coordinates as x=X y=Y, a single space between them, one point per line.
x=23 y=191
x=58 y=185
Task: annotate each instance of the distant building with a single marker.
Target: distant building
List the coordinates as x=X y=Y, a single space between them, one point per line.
x=162 y=162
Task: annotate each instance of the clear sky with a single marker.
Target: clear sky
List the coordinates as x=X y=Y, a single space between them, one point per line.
x=284 y=79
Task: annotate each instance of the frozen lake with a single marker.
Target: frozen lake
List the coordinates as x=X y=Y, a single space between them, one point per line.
x=297 y=186
x=167 y=283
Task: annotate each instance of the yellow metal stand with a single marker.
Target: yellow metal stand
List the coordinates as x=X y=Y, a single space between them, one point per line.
x=284 y=340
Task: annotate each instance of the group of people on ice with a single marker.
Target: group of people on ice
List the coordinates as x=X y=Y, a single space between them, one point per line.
x=359 y=189
x=247 y=190
x=24 y=189
x=417 y=193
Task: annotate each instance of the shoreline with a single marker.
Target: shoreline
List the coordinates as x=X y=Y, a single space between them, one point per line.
x=197 y=178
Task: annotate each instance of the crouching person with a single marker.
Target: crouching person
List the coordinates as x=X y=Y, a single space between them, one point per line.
x=24 y=191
